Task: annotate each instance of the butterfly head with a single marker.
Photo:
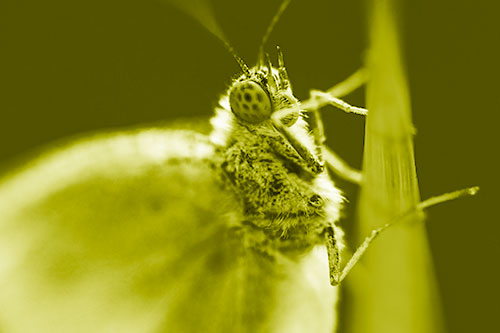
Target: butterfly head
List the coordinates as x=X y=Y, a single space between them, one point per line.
x=262 y=90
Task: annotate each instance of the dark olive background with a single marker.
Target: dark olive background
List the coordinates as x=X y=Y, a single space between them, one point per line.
x=72 y=67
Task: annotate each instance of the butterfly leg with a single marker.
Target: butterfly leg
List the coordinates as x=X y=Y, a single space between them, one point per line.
x=292 y=149
x=333 y=256
x=312 y=105
x=353 y=82
x=332 y=96
x=325 y=98
x=398 y=218
x=334 y=162
x=340 y=167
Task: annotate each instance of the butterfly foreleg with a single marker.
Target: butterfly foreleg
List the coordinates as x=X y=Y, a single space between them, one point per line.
x=353 y=82
x=334 y=162
x=333 y=256
x=325 y=98
x=293 y=150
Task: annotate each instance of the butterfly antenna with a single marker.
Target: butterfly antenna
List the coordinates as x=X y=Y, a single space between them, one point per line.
x=238 y=59
x=202 y=12
x=276 y=17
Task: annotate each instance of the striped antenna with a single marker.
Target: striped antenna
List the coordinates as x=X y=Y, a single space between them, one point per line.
x=238 y=59
x=201 y=11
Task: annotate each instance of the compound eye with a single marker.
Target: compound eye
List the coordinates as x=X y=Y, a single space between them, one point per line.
x=249 y=102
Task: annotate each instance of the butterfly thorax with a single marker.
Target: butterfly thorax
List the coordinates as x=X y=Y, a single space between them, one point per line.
x=283 y=202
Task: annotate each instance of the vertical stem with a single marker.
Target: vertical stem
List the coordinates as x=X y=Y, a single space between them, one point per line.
x=394 y=289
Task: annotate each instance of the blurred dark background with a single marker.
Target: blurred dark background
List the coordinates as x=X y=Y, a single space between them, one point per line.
x=69 y=68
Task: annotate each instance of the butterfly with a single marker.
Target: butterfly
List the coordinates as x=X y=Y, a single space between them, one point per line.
x=173 y=230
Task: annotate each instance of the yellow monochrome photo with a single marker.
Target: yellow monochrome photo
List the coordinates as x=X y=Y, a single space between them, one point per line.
x=231 y=166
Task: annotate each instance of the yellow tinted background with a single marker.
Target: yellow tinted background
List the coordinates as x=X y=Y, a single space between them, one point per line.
x=69 y=68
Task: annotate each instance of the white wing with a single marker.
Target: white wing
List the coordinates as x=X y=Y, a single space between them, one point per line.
x=130 y=232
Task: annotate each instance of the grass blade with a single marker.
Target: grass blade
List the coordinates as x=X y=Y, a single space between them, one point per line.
x=396 y=291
